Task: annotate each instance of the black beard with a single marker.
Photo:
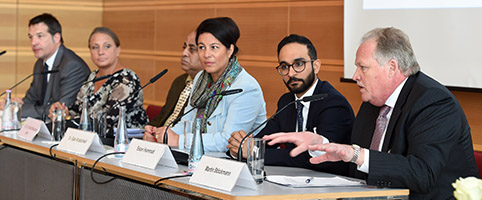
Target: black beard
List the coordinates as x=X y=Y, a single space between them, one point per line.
x=305 y=84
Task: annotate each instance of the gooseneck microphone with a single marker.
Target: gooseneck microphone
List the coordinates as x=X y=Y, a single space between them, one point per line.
x=223 y=93
x=315 y=97
x=38 y=73
x=97 y=79
x=154 y=79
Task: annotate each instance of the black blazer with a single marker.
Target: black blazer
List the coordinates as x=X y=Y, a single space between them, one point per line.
x=427 y=144
x=333 y=118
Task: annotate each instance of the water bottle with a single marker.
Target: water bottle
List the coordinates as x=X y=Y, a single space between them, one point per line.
x=197 y=147
x=58 y=125
x=121 y=141
x=85 y=122
x=7 y=114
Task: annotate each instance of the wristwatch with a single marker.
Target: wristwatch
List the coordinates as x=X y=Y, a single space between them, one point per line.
x=356 y=152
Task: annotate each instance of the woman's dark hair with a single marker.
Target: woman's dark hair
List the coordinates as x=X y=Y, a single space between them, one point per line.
x=223 y=28
x=106 y=31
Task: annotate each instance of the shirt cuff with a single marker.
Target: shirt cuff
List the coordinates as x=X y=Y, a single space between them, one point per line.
x=319 y=153
x=366 y=159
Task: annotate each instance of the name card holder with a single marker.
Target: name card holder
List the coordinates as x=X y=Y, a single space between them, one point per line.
x=33 y=127
x=149 y=154
x=222 y=174
x=79 y=141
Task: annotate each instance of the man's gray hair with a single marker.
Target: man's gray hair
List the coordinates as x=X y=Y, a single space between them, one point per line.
x=392 y=43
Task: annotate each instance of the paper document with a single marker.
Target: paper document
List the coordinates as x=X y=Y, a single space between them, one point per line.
x=307 y=181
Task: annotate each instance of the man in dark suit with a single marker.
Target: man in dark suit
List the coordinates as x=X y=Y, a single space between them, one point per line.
x=411 y=131
x=331 y=118
x=191 y=65
x=45 y=35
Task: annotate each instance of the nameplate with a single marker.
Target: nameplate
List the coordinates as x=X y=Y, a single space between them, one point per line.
x=79 y=141
x=222 y=174
x=149 y=154
x=33 y=127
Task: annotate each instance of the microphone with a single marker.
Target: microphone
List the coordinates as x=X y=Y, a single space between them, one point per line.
x=154 y=79
x=38 y=73
x=315 y=97
x=3 y=52
x=98 y=79
x=223 y=93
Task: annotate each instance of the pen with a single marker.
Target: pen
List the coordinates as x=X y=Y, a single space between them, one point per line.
x=308 y=180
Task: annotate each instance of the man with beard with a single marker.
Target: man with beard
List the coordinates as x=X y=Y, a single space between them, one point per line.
x=332 y=118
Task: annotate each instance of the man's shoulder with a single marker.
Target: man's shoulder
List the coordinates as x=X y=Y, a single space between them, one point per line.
x=67 y=56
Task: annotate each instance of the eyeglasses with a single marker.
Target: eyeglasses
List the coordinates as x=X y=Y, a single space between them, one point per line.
x=298 y=66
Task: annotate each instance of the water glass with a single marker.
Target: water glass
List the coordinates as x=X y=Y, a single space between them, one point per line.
x=256 y=148
x=187 y=130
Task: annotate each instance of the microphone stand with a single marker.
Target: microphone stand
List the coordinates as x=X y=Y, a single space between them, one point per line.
x=305 y=99
x=16 y=84
x=154 y=79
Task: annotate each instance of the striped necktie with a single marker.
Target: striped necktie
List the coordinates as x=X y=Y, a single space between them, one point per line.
x=180 y=103
x=381 y=125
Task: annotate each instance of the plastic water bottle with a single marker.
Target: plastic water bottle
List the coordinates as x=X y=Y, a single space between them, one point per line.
x=121 y=141
x=197 y=147
x=7 y=114
x=85 y=122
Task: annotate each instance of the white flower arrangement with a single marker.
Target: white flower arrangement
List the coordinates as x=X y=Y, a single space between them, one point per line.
x=469 y=188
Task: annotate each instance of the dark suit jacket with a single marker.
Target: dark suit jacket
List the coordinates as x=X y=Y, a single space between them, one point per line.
x=63 y=86
x=172 y=96
x=428 y=141
x=333 y=118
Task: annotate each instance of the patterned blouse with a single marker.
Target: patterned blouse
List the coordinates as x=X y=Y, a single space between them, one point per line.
x=118 y=89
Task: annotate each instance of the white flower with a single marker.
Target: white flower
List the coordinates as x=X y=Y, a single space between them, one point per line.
x=469 y=188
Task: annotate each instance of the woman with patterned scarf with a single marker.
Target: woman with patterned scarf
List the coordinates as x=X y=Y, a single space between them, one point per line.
x=221 y=115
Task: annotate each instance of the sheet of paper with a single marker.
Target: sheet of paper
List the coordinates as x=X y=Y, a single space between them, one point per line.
x=307 y=181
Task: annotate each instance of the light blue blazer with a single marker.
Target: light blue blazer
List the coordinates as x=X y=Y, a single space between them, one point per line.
x=242 y=111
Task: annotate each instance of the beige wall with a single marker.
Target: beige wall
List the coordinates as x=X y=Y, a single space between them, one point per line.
x=152 y=33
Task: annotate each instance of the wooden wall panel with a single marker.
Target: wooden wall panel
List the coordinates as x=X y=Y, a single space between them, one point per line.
x=323 y=25
x=77 y=18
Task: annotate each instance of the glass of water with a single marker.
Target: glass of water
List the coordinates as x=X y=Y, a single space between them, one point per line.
x=256 y=147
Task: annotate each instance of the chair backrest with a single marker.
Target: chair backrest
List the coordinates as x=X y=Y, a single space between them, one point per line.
x=478 y=160
x=152 y=111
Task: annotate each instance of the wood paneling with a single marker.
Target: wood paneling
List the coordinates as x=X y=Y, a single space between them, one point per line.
x=77 y=18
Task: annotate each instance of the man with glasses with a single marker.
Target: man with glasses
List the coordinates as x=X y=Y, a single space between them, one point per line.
x=332 y=118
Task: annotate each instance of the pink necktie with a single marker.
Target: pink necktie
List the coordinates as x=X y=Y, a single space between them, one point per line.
x=381 y=125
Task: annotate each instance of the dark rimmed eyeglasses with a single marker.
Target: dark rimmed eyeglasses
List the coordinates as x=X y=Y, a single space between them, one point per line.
x=298 y=66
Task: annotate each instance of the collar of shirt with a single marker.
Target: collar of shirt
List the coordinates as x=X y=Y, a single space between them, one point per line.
x=188 y=79
x=392 y=99
x=306 y=105
x=50 y=61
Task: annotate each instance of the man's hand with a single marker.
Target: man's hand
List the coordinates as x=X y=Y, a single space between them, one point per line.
x=233 y=143
x=335 y=152
x=301 y=139
x=56 y=106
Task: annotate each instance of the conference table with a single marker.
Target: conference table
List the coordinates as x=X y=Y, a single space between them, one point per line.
x=28 y=171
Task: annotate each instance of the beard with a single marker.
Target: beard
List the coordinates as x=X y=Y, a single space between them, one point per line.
x=304 y=86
